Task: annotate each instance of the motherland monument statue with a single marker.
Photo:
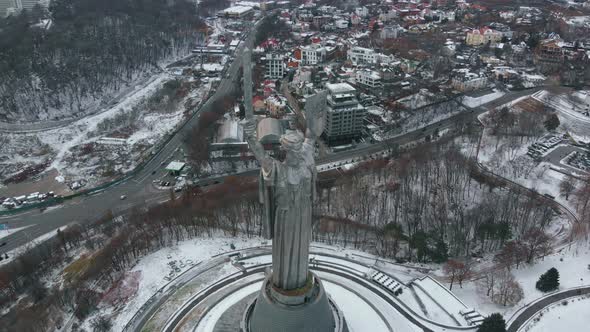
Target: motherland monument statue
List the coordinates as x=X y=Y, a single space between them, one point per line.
x=287 y=191
x=291 y=298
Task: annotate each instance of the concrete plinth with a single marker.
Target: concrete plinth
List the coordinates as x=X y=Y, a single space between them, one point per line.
x=307 y=310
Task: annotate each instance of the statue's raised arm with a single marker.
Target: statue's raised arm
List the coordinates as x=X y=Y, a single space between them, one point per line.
x=255 y=146
x=315 y=115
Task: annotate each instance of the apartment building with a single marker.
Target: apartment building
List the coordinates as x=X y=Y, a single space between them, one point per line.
x=275 y=66
x=313 y=54
x=345 y=116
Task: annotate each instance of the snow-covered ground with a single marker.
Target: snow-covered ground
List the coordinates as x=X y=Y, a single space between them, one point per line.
x=80 y=150
x=508 y=157
x=8 y=231
x=478 y=101
x=569 y=315
x=359 y=314
x=36 y=241
x=155 y=268
x=571 y=262
x=572 y=109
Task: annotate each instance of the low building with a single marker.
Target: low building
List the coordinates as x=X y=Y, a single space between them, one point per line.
x=464 y=81
x=175 y=167
x=230 y=131
x=483 y=36
x=276 y=105
x=390 y=32
x=549 y=51
x=362 y=11
x=236 y=12
x=269 y=131
x=320 y=20
x=345 y=116
x=358 y=55
x=368 y=78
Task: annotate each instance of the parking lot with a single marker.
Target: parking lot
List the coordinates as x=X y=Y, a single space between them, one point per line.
x=579 y=160
x=560 y=158
x=540 y=148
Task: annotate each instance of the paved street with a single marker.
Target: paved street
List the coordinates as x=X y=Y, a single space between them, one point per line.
x=139 y=189
x=516 y=323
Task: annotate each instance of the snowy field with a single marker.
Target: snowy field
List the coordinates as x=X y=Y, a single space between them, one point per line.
x=508 y=158
x=571 y=262
x=572 y=111
x=569 y=315
x=156 y=267
x=84 y=150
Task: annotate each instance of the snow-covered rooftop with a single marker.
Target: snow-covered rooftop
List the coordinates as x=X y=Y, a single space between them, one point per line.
x=175 y=166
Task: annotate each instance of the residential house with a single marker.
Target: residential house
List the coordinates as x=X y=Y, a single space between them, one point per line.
x=483 y=36
x=464 y=80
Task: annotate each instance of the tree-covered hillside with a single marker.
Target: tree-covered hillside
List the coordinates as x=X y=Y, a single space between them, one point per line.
x=90 y=51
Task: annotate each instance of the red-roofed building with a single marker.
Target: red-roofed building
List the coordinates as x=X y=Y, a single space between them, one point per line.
x=483 y=36
x=270 y=43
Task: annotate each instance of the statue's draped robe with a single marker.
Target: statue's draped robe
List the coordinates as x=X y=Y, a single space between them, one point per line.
x=287 y=193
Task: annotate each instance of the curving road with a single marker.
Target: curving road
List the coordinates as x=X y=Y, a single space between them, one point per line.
x=147 y=311
x=139 y=190
x=521 y=318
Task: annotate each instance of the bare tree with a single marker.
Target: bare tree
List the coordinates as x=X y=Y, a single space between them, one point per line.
x=536 y=243
x=567 y=186
x=583 y=200
x=508 y=290
x=457 y=271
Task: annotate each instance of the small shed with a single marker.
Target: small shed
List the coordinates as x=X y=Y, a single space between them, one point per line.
x=175 y=167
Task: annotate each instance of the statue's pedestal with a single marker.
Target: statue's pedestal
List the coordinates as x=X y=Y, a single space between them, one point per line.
x=306 y=309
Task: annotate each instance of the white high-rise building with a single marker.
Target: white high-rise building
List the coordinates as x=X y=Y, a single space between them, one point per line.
x=275 y=66
x=345 y=116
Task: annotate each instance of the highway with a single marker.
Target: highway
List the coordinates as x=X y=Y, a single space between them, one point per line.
x=140 y=191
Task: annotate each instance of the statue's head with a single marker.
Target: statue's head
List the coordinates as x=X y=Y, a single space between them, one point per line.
x=292 y=141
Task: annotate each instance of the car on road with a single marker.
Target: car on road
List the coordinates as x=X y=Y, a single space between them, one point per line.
x=123 y=197
x=153 y=172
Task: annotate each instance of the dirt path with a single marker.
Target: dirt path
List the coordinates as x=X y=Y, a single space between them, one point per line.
x=46 y=183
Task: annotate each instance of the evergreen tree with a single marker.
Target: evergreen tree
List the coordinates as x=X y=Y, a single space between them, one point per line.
x=548 y=281
x=493 y=323
x=552 y=122
x=440 y=253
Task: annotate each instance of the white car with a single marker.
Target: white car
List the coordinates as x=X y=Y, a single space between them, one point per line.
x=123 y=197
